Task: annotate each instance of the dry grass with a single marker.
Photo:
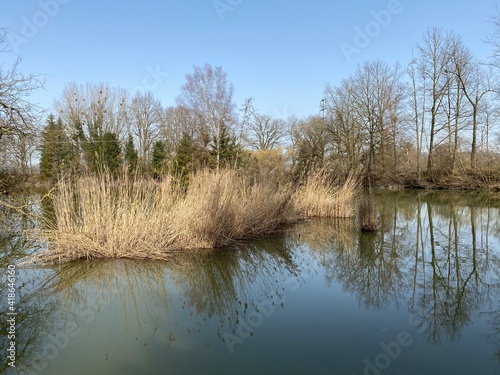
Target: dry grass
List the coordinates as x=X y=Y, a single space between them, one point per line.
x=98 y=217
x=320 y=196
x=102 y=217
x=221 y=207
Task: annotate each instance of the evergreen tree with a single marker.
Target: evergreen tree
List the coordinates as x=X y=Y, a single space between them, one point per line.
x=184 y=161
x=230 y=151
x=111 y=152
x=131 y=154
x=57 y=153
x=103 y=152
x=158 y=158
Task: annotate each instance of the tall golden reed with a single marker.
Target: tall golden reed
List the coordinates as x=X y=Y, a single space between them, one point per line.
x=320 y=196
x=105 y=217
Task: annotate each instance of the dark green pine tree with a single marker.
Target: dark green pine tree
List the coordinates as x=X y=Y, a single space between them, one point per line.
x=230 y=152
x=57 y=152
x=111 y=152
x=131 y=155
x=184 y=161
x=158 y=159
x=103 y=153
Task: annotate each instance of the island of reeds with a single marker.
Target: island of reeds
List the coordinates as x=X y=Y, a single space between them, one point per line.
x=105 y=216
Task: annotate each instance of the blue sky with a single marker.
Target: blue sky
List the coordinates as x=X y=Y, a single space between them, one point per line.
x=281 y=53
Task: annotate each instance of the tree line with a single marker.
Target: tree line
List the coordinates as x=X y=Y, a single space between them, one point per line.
x=433 y=121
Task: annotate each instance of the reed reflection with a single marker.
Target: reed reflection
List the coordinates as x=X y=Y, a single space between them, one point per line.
x=221 y=286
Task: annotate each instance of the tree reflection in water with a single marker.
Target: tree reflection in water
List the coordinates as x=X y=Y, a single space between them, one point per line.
x=35 y=309
x=191 y=289
x=432 y=253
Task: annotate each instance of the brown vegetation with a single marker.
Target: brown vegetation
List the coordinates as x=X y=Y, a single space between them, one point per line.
x=105 y=217
x=319 y=196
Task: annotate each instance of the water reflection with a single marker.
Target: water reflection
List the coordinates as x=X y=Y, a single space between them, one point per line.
x=364 y=263
x=436 y=257
x=14 y=245
x=432 y=253
x=226 y=284
x=155 y=303
x=453 y=268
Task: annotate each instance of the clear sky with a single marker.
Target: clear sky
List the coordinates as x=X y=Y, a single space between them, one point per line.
x=280 y=52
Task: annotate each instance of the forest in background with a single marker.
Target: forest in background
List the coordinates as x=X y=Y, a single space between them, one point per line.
x=431 y=123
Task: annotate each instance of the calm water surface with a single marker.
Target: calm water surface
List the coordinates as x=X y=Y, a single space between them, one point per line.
x=420 y=296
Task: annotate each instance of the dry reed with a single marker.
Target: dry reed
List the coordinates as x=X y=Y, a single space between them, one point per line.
x=221 y=207
x=320 y=196
x=103 y=217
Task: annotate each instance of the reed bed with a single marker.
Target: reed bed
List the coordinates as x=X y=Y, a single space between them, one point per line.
x=221 y=207
x=106 y=217
x=321 y=197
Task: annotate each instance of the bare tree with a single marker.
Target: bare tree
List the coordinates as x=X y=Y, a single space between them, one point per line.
x=377 y=95
x=208 y=93
x=491 y=116
x=344 y=126
x=434 y=61
x=144 y=116
x=18 y=113
x=16 y=152
x=90 y=111
x=95 y=108
x=417 y=106
x=265 y=132
x=494 y=41
x=475 y=83
x=454 y=118
x=311 y=142
x=19 y=117
x=172 y=125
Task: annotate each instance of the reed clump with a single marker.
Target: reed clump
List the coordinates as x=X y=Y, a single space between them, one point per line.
x=221 y=207
x=108 y=217
x=321 y=196
x=100 y=217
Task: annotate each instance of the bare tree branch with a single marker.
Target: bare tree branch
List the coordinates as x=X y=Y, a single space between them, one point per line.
x=209 y=95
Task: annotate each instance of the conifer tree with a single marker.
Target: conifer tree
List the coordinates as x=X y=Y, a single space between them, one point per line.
x=158 y=158
x=229 y=151
x=57 y=153
x=111 y=152
x=131 y=154
x=184 y=161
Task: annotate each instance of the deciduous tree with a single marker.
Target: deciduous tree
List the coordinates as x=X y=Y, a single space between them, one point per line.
x=209 y=95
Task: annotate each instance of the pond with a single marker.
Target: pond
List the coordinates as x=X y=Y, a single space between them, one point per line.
x=419 y=296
